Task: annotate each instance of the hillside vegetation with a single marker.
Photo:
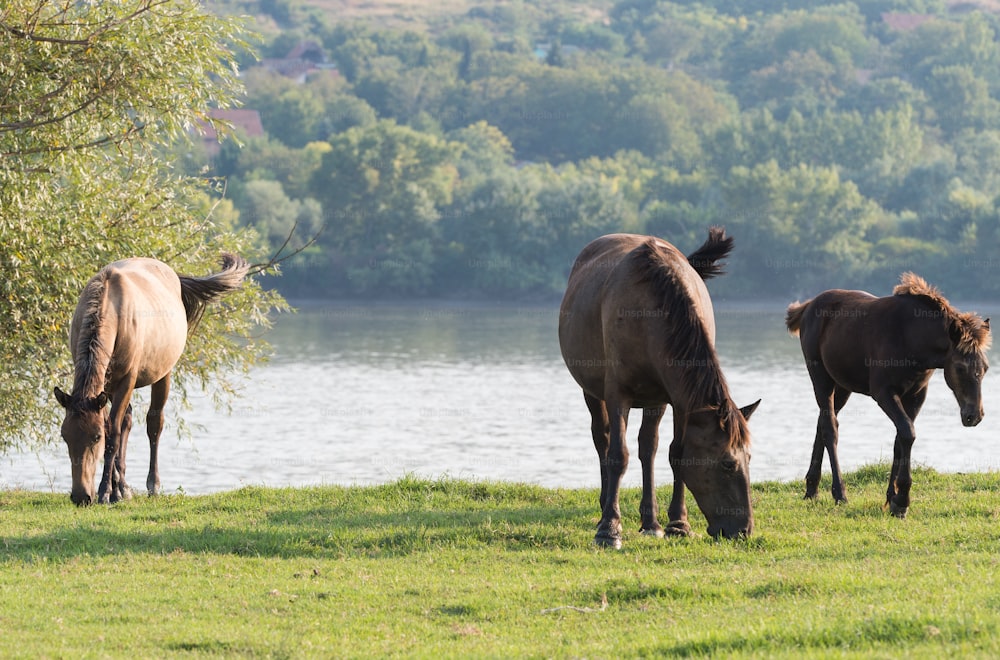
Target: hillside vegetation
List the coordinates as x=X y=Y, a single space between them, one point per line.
x=472 y=148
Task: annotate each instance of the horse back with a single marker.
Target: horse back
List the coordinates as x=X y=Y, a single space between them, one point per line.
x=144 y=308
x=612 y=324
x=862 y=341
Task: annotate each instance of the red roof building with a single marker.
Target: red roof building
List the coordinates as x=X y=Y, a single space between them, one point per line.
x=245 y=122
x=905 y=22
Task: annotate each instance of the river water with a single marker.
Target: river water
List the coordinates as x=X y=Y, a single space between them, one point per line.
x=368 y=393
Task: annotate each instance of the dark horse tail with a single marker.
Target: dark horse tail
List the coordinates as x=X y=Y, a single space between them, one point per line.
x=717 y=246
x=793 y=317
x=197 y=292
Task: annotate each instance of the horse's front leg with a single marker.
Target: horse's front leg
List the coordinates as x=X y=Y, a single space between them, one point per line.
x=897 y=496
x=112 y=442
x=649 y=433
x=609 y=530
x=110 y=462
x=154 y=426
x=119 y=487
x=677 y=511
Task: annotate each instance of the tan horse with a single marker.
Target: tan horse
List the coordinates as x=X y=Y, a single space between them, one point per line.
x=637 y=330
x=128 y=331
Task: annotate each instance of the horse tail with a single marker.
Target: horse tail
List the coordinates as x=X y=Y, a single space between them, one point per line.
x=793 y=317
x=717 y=246
x=198 y=292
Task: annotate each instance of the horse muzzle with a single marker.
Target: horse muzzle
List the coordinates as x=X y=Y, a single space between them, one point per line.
x=81 y=498
x=971 y=420
x=735 y=531
x=971 y=417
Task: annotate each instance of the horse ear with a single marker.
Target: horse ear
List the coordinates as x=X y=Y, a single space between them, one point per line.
x=61 y=397
x=100 y=400
x=986 y=323
x=748 y=410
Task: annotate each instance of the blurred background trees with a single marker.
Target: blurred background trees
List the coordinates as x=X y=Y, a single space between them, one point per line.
x=473 y=150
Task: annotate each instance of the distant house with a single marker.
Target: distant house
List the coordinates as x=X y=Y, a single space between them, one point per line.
x=245 y=122
x=903 y=22
x=306 y=58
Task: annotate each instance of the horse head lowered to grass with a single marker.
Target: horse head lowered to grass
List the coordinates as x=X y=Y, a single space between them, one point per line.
x=129 y=329
x=887 y=348
x=637 y=330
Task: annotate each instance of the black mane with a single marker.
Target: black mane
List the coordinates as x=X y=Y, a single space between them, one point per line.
x=703 y=382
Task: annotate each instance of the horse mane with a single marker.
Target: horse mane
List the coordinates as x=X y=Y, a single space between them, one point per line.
x=971 y=331
x=91 y=353
x=705 y=382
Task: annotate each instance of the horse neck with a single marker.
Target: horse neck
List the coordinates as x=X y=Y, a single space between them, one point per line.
x=940 y=347
x=701 y=382
x=95 y=346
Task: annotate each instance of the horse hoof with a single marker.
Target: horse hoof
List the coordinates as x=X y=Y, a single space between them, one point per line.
x=613 y=542
x=656 y=532
x=678 y=528
x=896 y=510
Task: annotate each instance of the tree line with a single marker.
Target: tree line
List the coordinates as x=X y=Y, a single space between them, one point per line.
x=840 y=144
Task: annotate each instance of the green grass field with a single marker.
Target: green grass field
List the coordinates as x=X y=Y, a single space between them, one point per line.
x=449 y=568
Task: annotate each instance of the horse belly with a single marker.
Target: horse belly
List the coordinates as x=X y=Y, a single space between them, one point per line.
x=581 y=341
x=851 y=380
x=159 y=342
x=584 y=358
x=156 y=365
x=846 y=365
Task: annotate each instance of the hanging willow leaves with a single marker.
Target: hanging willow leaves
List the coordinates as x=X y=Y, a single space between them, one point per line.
x=92 y=94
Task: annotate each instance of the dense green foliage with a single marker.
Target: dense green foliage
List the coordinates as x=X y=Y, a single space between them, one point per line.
x=92 y=94
x=456 y=569
x=474 y=153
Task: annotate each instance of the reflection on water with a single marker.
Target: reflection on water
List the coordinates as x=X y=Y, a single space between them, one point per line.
x=360 y=394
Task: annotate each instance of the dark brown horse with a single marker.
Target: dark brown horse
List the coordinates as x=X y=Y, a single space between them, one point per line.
x=637 y=330
x=887 y=348
x=128 y=331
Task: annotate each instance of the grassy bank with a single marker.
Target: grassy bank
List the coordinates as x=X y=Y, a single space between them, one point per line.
x=448 y=568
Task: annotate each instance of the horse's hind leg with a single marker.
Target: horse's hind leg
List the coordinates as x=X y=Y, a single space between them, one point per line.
x=609 y=530
x=648 y=441
x=154 y=426
x=816 y=462
x=601 y=432
x=830 y=398
x=840 y=396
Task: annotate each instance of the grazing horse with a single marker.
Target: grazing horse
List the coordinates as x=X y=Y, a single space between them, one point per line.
x=128 y=331
x=637 y=330
x=887 y=348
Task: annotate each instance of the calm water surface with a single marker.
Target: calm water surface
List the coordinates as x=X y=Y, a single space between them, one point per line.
x=364 y=394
